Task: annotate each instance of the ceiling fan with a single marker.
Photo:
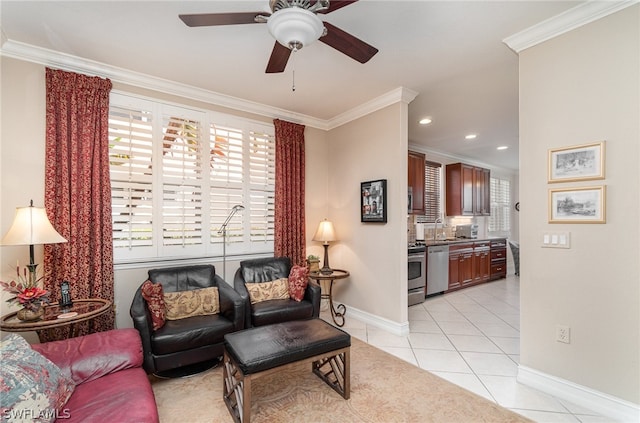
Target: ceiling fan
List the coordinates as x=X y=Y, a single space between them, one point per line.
x=294 y=24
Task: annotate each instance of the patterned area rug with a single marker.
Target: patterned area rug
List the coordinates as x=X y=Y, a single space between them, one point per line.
x=383 y=389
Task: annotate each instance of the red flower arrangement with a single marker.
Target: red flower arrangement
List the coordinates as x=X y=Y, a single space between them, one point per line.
x=27 y=291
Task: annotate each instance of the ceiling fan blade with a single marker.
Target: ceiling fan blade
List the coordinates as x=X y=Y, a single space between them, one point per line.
x=335 y=5
x=279 y=58
x=348 y=44
x=213 y=19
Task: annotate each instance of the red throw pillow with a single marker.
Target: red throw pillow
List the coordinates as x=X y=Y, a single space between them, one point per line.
x=152 y=293
x=298 y=280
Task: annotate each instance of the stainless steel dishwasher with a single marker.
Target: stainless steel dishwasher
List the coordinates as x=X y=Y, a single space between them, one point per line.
x=437 y=269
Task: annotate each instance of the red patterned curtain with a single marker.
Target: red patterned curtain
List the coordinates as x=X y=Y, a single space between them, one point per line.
x=290 y=240
x=78 y=191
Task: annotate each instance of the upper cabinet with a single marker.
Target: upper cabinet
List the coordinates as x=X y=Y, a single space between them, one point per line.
x=467 y=190
x=416 y=182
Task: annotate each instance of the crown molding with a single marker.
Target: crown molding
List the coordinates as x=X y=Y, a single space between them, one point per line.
x=58 y=60
x=567 y=21
x=457 y=158
x=400 y=94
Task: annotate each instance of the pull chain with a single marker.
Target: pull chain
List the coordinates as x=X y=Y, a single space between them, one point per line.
x=293 y=66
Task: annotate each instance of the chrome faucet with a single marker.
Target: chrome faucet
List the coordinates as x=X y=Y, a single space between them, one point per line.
x=435 y=229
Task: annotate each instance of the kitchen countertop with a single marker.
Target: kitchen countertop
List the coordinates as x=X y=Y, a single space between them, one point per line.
x=458 y=241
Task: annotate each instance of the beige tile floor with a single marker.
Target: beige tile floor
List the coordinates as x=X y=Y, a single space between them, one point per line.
x=472 y=338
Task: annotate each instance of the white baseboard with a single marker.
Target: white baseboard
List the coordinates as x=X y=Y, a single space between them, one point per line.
x=604 y=404
x=400 y=329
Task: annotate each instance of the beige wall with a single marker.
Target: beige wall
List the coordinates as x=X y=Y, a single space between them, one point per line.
x=372 y=147
x=316 y=185
x=581 y=87
x=21 y=155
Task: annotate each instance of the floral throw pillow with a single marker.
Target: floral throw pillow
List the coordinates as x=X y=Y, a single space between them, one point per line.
x=263 y=291
x=32 y=388
x=197 y=302
x=298 y=280
x=152 y=293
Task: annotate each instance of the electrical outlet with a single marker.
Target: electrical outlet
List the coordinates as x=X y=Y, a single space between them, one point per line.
x=563 y=334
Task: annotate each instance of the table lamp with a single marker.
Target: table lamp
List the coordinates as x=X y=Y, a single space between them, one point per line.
x=325 y=234
x=31 y=226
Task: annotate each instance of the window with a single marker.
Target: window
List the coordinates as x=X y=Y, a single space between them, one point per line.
x=432 y=182
x=177 y=172
x=499 y=221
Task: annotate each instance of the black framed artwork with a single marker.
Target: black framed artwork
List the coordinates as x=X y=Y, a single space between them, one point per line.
x=373 y=201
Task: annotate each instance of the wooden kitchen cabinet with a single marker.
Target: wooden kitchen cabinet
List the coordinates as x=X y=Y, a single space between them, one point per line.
x=481 y=261
x=468 y=190
x=482 y=205
x=498 y=258
x=469 y=264
x=416 y=182
x=460 y=265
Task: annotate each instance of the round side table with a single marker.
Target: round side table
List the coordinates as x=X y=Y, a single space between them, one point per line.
x=337 y=313
x=54 y=316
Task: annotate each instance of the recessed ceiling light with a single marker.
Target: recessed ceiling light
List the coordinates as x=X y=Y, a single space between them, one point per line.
x=425 y=121
x=470 y=137
x=502 y=147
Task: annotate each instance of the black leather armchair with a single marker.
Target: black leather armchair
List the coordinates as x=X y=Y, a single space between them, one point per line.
x=192 y=340
x=274 y=311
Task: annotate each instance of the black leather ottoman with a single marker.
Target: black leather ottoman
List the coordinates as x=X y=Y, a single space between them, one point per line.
x=259 y=351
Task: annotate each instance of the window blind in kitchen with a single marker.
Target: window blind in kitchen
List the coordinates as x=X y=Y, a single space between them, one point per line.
x=499 y=221
x=432 y=184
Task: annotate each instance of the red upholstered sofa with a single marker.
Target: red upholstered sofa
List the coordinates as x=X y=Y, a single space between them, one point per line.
x=111 y=385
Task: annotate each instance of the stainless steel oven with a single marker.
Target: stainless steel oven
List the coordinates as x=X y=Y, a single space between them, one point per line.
x=417 y=278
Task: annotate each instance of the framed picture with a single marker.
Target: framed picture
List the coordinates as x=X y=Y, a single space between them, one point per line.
x=577 y=205
x=577 y=163
x=373 y=201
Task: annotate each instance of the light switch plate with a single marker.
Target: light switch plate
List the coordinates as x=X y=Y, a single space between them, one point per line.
x=556 y=239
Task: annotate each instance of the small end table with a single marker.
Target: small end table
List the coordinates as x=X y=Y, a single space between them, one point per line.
x=85 y=309
x=337 y=313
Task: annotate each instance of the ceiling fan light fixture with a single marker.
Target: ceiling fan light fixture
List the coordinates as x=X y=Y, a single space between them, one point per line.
x=294 y=27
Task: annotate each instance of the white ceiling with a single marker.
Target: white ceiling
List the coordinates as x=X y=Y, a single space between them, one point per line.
x=450 y=52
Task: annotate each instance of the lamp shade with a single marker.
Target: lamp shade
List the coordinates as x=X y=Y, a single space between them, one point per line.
x=325 y=232
x=295 y=27
x=31 y=226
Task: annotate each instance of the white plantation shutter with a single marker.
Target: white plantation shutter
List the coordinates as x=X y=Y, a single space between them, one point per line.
x=225 y=175
x=131 y=167
x=499 y=221
x=177 y=173
x=262 y=177
x=181 y=181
